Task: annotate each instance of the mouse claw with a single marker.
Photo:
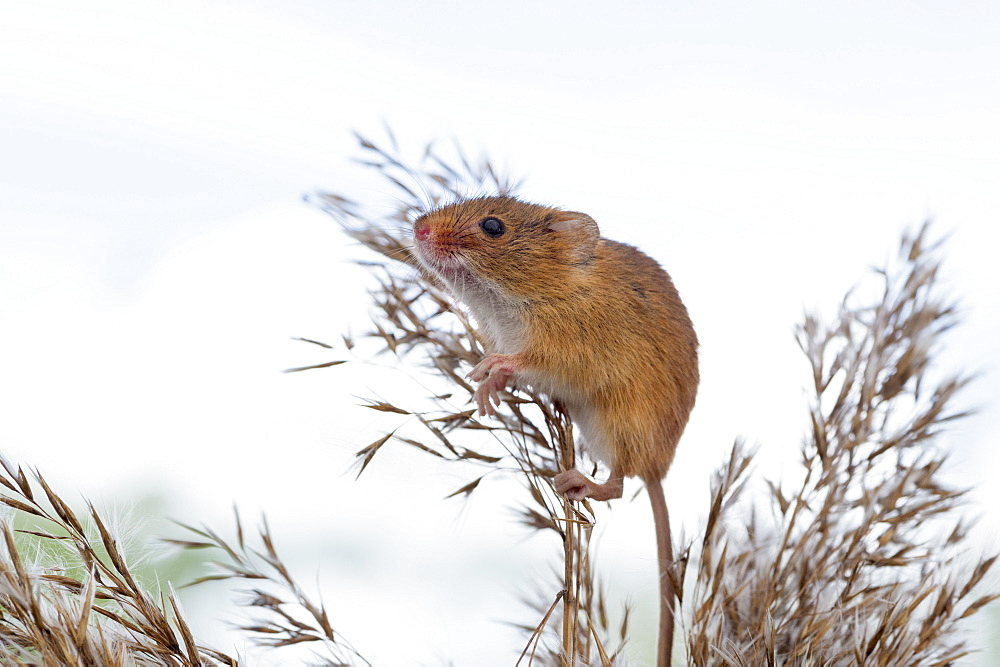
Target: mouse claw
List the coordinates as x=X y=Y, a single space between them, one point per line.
x=480 y=370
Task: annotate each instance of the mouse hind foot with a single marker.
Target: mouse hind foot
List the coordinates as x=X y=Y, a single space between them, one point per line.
x=576 y=486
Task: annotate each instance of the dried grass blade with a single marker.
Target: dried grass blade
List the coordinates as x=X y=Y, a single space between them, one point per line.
x=467 y=489
x=421 y=446
x=86 y=604
x=62 y=510
x=369 y=452
x=190 y=646
x=21 y=506
x=382 y=406
x=299 y=369
x=979 y=604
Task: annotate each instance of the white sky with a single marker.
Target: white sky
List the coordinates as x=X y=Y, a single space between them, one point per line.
x=155 y=257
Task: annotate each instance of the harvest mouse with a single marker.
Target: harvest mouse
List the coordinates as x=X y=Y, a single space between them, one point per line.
x=592 y=323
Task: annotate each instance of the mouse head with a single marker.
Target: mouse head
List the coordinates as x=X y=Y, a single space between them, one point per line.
x=516 y=250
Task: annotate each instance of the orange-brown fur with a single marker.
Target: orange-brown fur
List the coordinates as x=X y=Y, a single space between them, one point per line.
x=596 y=324
x=604 y=327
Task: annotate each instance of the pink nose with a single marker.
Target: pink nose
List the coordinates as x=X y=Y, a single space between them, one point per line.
x=422 y=232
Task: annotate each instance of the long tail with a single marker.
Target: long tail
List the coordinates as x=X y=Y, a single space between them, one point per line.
x=665 y=554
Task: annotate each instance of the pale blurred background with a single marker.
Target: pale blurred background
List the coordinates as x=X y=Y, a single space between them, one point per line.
x=156 y=258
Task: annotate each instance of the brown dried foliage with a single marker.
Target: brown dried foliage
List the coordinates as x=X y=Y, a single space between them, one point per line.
x=51 y=615
x=287 y=615
x=531 y=437
x=863 y=559
x=83 y=604
x=848 y=562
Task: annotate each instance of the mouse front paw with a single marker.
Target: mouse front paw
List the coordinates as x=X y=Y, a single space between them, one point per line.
x=493 y=373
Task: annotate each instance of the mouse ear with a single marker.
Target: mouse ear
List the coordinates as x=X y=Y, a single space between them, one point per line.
x=579 y=231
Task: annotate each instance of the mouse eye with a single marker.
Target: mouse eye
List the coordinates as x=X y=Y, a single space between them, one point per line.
x=492 y=227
